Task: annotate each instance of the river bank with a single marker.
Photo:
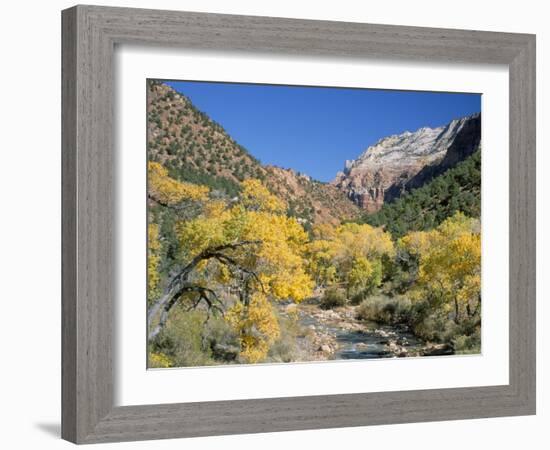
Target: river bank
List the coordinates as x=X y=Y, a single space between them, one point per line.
x=336 y=334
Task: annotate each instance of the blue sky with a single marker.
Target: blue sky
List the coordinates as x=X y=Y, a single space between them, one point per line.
x=314 y=130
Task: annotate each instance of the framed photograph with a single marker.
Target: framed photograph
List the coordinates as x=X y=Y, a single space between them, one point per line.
x=277 y=224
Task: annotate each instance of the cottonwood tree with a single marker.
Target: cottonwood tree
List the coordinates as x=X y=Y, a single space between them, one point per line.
x=350 y=255
x=449 y=274
x=235 y=259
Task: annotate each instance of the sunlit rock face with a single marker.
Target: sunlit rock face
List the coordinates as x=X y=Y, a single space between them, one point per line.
x=405 y=161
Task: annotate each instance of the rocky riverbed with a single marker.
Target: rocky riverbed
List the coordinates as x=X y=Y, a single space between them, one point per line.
x=337 y=334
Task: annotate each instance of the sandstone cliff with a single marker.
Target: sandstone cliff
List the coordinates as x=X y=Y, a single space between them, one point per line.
x=406 y=161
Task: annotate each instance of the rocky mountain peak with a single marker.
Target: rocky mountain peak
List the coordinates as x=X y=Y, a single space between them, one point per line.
x=402 y=161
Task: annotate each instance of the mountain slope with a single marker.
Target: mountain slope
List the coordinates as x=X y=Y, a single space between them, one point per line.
x=192 y=146
x=195 y=148
x=399 y=163
x=310 y=200
x=457 y=189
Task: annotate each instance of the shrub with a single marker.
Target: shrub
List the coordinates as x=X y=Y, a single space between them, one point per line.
x=285 y=348
x=159 y=360
x=436 y=326
x=221 y=339
x=385 y=310
x=181 y=341
x=463 y=344
x=433 y=327
x=358 y=298
x=332 y=298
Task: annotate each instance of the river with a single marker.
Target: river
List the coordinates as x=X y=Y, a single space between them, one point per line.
x=337 y=334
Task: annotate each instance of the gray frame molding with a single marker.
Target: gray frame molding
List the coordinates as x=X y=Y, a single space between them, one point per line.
x=89 y=36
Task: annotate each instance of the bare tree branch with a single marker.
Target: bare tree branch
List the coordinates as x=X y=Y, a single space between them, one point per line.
x=231 y=262
x=179 y=284
x=204 y=294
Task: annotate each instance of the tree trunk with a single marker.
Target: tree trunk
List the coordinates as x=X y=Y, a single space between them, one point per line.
x=179 y=284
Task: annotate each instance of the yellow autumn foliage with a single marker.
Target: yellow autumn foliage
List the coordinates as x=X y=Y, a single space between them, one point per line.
x=159 y=360
x=450 y=264
x=201 y=233
x=362 y=240
x=319 y=258
x=153 y=258
x=169 y=191
x=279 y=257
x=324 y=231
x=256 y=326
x=361 y=273
x=276 y=255
x=350 y=253
x=417 y=242
x=256 y=196
x=265 y=242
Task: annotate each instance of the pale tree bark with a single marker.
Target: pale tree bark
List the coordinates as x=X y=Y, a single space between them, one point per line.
x=180 y=284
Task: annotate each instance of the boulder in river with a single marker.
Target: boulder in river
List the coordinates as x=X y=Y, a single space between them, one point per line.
x=325 y=348
x=382 y=333
x=402 y=341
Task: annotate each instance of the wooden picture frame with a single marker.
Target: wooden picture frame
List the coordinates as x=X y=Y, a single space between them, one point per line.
x=90 y=34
